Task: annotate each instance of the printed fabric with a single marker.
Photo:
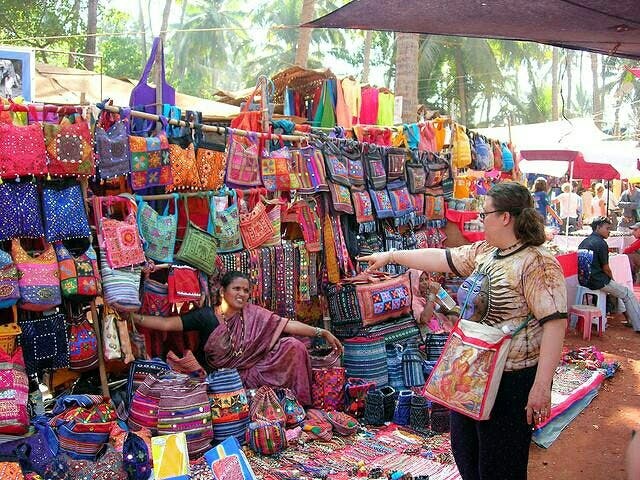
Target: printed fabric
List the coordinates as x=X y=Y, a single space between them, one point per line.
x=150 y=164
x=64 y=214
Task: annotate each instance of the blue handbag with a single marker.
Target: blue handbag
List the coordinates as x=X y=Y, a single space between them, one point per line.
x=45 y=343
x=20 y=213
x=64 y=213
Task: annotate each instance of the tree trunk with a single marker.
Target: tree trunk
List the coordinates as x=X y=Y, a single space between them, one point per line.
x=71 y=58
x=143 y=34
x=569 y=67
x=555 y=59
x=366 y=61
x=488 y=110
x=183 y=12
x=165 y=20
x=304 y=35
x=92 y=28
x=597 y=109
x=462 y=93
x=407 y=74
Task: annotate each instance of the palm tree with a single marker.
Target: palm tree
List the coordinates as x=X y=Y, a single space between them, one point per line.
x=366 y=60
x=407 y=47
x=304 y=34
x=555 y=82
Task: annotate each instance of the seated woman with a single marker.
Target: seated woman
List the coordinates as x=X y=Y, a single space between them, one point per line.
x=248 y=338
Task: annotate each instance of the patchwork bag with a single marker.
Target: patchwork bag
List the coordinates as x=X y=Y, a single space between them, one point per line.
x=14 y=393
x=327 y=388
x=275 y=171
x=158 y=231
x=337 y=170
x=79 y=276
x=374 y=166
x=266 y=407
x=21 y=212
x=356 y=392
x=184 y=168
x=266 y=438
x=184 y=284
x=382 y=203
x=227 y=226
x=69 y=148
x=416 y=177
x=22 y=150
x=363 y=209
x=83 y=344
x=39 y=283
x=65 y=216
x=366 y=358
x=308 y=165
x=150 y=163
x=256 y=227
x=435 y=205
x=340 y=198
x=113 y=154
x=119 y=239
x=198 y=247
x=120 y=286
x=9 y=281
x=353 y=155
x=243 y=163
x=229 y=404
x=44 y=343
x=395 y=159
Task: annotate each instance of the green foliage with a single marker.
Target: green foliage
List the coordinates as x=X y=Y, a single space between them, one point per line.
x=122 y=55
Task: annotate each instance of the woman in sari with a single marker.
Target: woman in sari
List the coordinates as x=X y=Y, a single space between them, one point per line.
x=249 y=338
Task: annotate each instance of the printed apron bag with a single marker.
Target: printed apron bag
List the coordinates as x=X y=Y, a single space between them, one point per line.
x=158 y=231
x=198 y=248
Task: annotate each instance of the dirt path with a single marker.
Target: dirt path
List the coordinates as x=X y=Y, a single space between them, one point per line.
x=592 y=446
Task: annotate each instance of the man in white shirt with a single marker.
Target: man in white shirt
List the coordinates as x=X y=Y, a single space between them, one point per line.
x=570 y=208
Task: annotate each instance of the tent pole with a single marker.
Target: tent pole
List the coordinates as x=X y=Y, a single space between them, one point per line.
x=608 y=190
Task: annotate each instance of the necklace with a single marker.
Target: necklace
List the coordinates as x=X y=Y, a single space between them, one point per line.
x=502 y=250
x=235 y=351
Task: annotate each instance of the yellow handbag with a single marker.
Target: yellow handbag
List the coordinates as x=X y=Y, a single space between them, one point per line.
x=461 y=155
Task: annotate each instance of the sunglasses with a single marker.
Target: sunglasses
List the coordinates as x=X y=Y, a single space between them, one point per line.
x=483 y=215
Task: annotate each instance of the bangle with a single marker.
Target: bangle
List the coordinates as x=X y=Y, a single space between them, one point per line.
x=318 y=332
x=391 y=258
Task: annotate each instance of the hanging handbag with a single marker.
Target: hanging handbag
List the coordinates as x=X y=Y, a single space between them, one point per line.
x=435 y=205
x=381 y=203
x=145 y=95
x=211 y=160
x=416 y=176
x=363 y=209
x=461 y=150
x=111 y=347
x=250 y=120
x=352 y=154
x=83 y=344
x=20 y=212
x=120 y=286
x=308 y=165
x=374 y=166
x=184 y=285
x=155 y=299
x=304 y=213
x=327 y=387
x=44 y=342
x=266 y=438
x=113 y=154
x=337 y=170
x=497 y=155
x=184 y=168
x=158 y=231
x=198 y=247
x=412 y=372
x=9 y=281
x=227 y=225
x=39 y=283
x=265 y=407
x=366 y=358
x=64 y=212
x=69 y=148
x=438 y=169
x=119 y=239
x=243 y=163
x=150 y=164
x=79 y=276
x=395 y=159
x=400 y=199
x=14 y=393
x=22 y=150
x=340 y=198
x=274 y=212
x=256 y=227
x=229 y=404
x=468 y=373
x=507 y=158
x=276 y=176
x=484 y=154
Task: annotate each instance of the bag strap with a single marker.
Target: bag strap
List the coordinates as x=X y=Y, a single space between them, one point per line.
x=151 y=60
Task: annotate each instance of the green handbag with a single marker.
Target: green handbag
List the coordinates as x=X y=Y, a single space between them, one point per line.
x=198 y=248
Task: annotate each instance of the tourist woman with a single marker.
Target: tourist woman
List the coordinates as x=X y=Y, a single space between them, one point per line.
x=517 y=280
x=247 y=337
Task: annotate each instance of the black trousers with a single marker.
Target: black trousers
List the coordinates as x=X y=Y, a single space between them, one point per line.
x=498 y=448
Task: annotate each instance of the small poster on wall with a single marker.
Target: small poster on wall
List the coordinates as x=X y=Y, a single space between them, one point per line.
x=17 y=72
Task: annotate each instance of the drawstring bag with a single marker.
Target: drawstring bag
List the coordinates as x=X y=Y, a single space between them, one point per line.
x=14 y=393
x=266 y=438
x=227 y=224
x=158 y=231
x=39 y=283
x=265 y=407
x=44 y=342
x=9 y=281
x=198 y=247
x=366 y=358
x=79 y=276
x=113 y=155
x=229 y=404
x=293 y=411
x=184 y=284
x=120 y=239
x=65 y=216
x=69 y=148
x=136 y=458
x=83 y=344
x=150 y=164
x=243 y=164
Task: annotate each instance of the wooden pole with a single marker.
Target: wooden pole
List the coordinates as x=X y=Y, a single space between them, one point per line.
x=104 y=383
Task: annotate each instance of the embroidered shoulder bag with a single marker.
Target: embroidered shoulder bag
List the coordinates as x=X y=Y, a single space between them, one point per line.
x=400 y=200
x=113 y=153
x=121 y=285
x=243 y=164
x=44 y=342
x=353 y=155
x=374 y=167
x=120 y=239
x=337 y=170
x=158 y=231
x=20 y=212
x=382 y=203
x=211 y=159
x=39 y=283
x=276 y=176
x=22 y=150
x=227 y=224
x=69 y=148
x=83 y=344
x=340 y=198
x=395 y=159
x=256 y=227
x=79 y=276
x=9 y=281
x=14 y=393
x=150 y=164
x=184 y=168
x=184 y=285
x=416 y=176
x=198 y=247
x=65 y=216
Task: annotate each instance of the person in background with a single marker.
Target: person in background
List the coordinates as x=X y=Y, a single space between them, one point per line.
x=516 y=280
x=633 y=251
x=541 y=197
x=630 y=203
x=587 y=204
x=238 y=334
x=601 y=199
x=570 y=208
x=600 y=276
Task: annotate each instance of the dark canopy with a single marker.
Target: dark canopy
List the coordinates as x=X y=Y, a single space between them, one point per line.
x=603 y=26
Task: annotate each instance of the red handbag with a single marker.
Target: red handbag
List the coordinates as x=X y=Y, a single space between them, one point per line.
x=327 y=387
x=22 y=149
x=256 y=227
x=184 y=284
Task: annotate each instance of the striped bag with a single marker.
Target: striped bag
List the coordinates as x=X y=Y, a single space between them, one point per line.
x=266 y=438
x=412 y=366
x=366 y=358
x=120 y=286
x=229 y=404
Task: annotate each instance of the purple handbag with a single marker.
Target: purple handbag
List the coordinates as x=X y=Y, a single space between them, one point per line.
x=142 y=94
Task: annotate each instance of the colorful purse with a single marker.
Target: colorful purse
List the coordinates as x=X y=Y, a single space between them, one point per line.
x=184 y=168
x=14 y=393
x=198 y=247
x=155 y=299
x=366 y=358
x=265 y=407
x=381 y=296
x=69 y=148
x=229 y=404
x=340 y=198
x=274 y=210
x=211 y=159
x=353 y=155
x=39 y=283
x=83 y=344
x=113 y=156
x=243 y=164
x=382 y=204
x=395 y=159
x=111 y=347
x=374 y=166
x=120 y=286
x=256 y=227
x=22 y=150
x=275 y=171
x=507 y=158
x=44 y=343
x=356 y=391
x=150 y=164
x=363 y=209
x=187 y=365
x=158 y=231
x=141 y=369
x=9 y=281
x=461 y=150
x=65 y=216
x=79 y=276
x=401 y=202
x=21 y=212
x=337 y=170
x=434 y=204
x=293 y=411
x=308 y=165
x=266 y=438
x=119 y=239
x=416 y=177
x=438 y=169
x=327 y=387
x=227 y=226
x=184 y=285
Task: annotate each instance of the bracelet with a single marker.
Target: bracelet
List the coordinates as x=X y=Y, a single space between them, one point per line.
x=318 y=332
x=391 y=258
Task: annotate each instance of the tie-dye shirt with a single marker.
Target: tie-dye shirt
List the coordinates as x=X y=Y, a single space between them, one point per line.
x=506 y=289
